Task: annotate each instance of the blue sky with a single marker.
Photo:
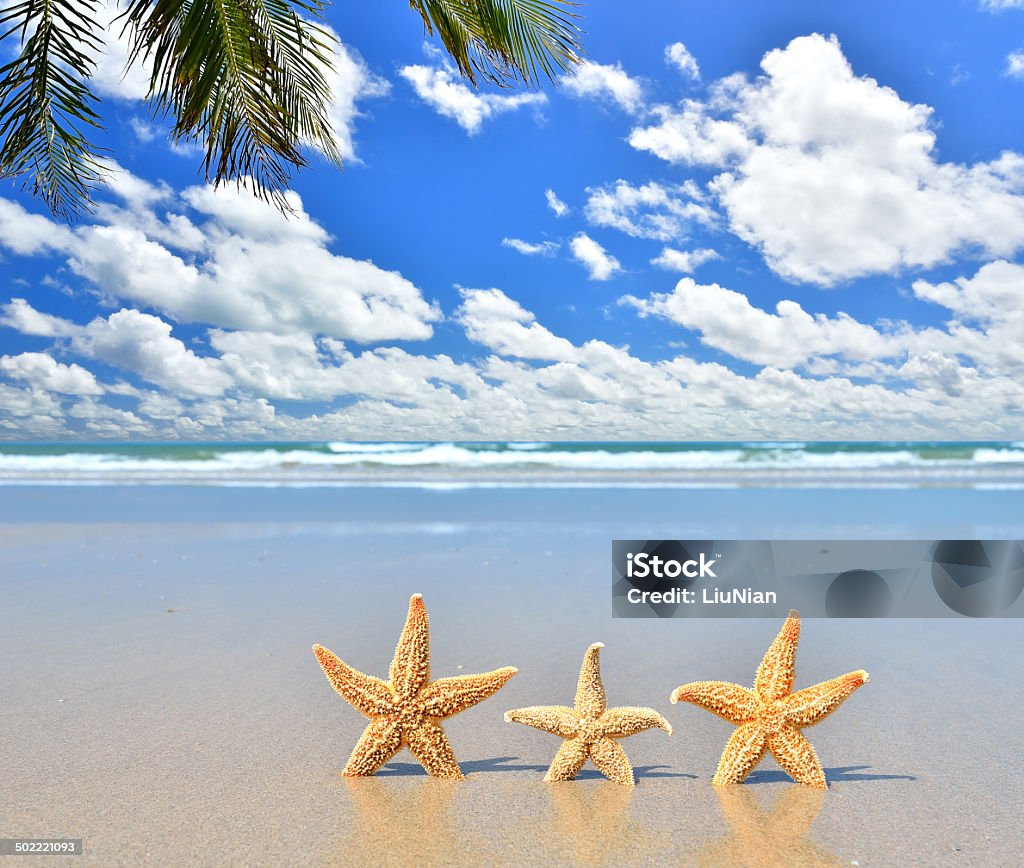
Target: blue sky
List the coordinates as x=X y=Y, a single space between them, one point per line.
x=787 y=220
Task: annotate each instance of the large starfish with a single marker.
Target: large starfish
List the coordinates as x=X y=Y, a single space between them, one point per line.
x=771 y=716
x=407 y=709
x=590 y=729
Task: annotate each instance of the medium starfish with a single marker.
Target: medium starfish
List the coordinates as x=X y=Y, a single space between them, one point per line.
x=406 y=710
x=590 y=729
x=771 y=716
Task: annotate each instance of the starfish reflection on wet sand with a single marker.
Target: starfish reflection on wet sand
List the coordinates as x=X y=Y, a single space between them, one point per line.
x=591 y=728
x=406 y=710
x=757 y=837
x=771 y=716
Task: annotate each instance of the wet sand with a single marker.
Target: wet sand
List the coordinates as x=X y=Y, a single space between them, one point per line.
x=161 y=700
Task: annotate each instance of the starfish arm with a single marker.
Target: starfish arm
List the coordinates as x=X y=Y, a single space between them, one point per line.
x=568 y=761
x=743 y=751
x=796 y=755
x=368 y=695
x=556 y=719
x=590 y=696
x=430 y=746
x=380 y=741
x=612 y=761
x=448 y=696
x=775 y=674
x=410 y=669
x=628 y=720
x=736 y=704
x=813 y=704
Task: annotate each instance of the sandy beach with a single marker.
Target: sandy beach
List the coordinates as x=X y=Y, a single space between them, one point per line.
x=162 y=703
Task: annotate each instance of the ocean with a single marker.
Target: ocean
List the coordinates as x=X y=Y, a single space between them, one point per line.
x=507 y=464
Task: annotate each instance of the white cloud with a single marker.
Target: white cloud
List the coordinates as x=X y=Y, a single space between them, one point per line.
x=787 y=338
x=691 y=135
x=19 y=315
x=142 y=343
x=648 y=211
x=608 y=82
x=30 y=234
x=441 y=89
x=556 y=204
x=1015 y=64
x=41 y=371
x=541 y=248
x=493 y=319
x=678 y=56
x=999 y=5
x=964 y=381
x=250 y=267
x=350 y=83
x=686 y=261
x=833 y=176
x=143 y=131
x=112 y=77
x=127 y=339
x=601 y=264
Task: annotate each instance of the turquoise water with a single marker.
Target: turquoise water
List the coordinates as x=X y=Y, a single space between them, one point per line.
x=901 y=464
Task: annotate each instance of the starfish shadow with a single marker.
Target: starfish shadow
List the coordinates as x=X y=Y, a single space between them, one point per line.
x=493 y=764
x=589 y=774
x=839 y=775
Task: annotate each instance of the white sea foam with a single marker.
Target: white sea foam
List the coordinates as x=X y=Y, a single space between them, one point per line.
x=460 y=463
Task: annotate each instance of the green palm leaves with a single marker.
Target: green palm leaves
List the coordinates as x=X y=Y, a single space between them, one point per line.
x=248 y=81
x=504 y=41
x=245 y=79
x=45 y=102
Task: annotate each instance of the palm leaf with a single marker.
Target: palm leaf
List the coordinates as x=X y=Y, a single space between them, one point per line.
x=505 y=41
x=45 y=102
x=243 y=78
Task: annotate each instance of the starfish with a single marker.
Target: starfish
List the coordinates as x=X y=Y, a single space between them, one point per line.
x=590 y=729
x=406 y=710
x=771 y=716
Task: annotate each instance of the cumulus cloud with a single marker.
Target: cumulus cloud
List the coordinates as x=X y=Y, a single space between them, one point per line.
x=536 y=383
x=555 y=204
x=648 y=211
x=441 y=89
x=42 y=371
x=678 y=56
x=999 y=5
x=607 y=82
x=493 y=319
x=601 y=264
x=112 y=77
x=248 y=267
x=351 y=82
x=1015 y=64
x=832 y=175
x=789 y=337
x=540 y=248
x=686 y=261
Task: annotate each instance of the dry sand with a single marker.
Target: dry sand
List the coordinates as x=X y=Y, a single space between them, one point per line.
x=160 y=701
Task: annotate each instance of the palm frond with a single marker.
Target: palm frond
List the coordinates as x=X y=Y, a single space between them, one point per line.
x=245 y=79
x=505 y=41
x=45 y=102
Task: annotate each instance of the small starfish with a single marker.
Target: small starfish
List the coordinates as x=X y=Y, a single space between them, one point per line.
x=591 y=728
x=771 y=716
x=406 y=710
